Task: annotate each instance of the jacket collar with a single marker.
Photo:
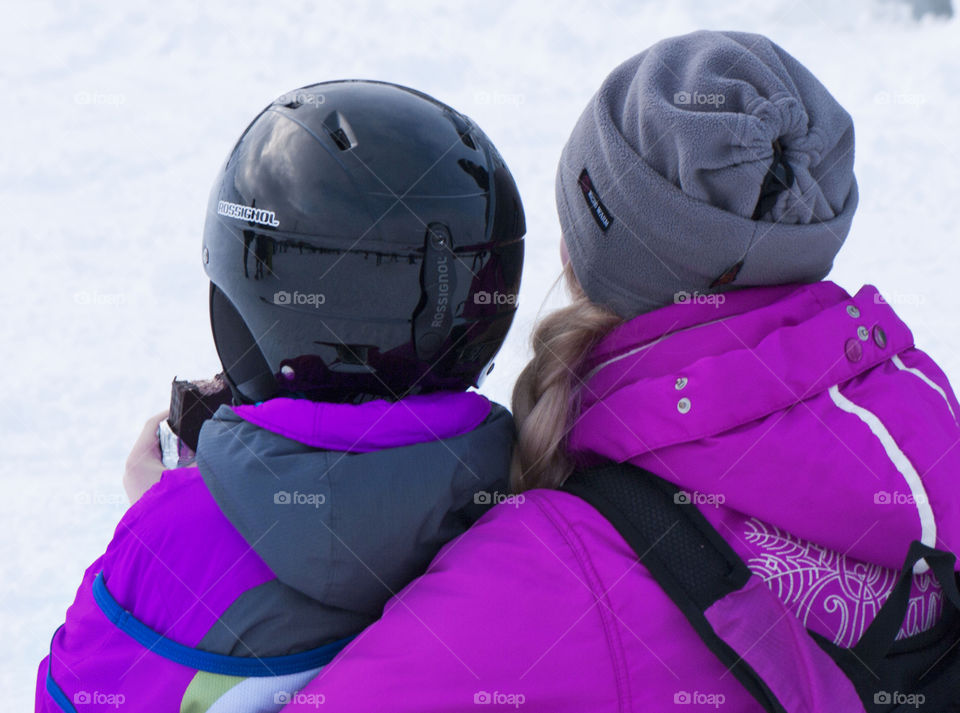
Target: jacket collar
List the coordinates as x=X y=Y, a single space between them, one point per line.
x=371 y=426
x=718 y=367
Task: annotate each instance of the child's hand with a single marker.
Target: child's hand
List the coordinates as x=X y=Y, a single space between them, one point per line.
x=144 y=466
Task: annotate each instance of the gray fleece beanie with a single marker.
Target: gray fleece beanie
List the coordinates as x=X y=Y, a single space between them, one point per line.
x=709 y=162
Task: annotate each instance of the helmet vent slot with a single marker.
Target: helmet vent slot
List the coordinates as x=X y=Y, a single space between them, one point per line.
x=340 y=131
x=464 y=130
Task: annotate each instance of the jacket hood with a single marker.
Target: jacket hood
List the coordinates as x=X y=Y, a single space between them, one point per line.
x=347 y=504
x=798 y=405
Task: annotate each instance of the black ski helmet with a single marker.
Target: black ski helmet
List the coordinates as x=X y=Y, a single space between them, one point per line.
x=362 y=240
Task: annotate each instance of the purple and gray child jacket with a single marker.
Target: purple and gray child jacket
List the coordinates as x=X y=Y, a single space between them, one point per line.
x=228 y=586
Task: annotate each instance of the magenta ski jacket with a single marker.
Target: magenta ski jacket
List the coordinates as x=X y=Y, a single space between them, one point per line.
x=806 y=427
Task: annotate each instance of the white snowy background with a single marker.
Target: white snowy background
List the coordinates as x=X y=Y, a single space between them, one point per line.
x=114 y=118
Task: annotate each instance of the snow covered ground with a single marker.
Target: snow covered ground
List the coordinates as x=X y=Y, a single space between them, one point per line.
x=115 y=117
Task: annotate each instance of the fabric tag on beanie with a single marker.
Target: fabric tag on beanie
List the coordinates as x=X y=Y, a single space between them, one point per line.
x=598 y=210
x=727 y=277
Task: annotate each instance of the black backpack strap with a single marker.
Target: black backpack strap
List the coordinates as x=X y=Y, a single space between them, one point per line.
x=877 y=640
x=923 y=671
x=693 y=564
x=696 y=567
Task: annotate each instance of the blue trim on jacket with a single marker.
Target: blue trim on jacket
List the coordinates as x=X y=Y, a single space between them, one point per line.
x=206 y=660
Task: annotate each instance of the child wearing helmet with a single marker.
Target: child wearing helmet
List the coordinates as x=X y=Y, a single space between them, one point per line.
x=347 y=239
